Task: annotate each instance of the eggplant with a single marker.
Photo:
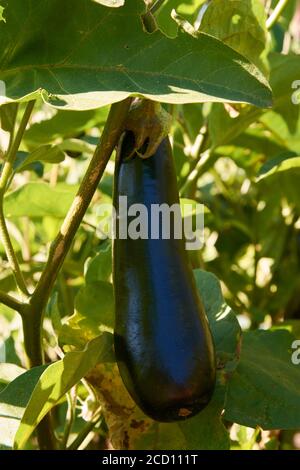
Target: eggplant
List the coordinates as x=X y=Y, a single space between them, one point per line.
x=163 y=344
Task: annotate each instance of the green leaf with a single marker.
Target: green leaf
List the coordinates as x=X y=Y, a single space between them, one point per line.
x=96 y=300
x=260 y=143
x=8 y=113
x=222 y=320
x=282 y=172
x=99 y=268
x=264 y=389
x=70 y=59
x=285 y=126
x=242 y=26
x=223 y=128
x=46 y=153
x=56 y=381
x=94 y=312
x=9 y=372
x=94 y=303
x=53 y=312
x=13 y=401
x=293 y=326
x=63 y=125
x=284 y=119
x=39 y=200
x=206 y=431
x=35 y=166
x=285 y=162
x=77 y=145
x=8 y=351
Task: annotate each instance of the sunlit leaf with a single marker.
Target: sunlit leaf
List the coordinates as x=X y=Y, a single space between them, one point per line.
x=87 y=61
x=9 y=372
x=63 y=125
x=46 y=153
x=13 y=401
x=39 y=200
x=55 y=382
x=284 y=119
x=242 y=26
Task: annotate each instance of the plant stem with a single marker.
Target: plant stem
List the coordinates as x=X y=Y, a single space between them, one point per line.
x=156 y=6
x=32 y=331
x=13 y=127
x=34 y=310
x=5 y=175
x=197 y=171
x=14 y=147
x=148 y=18
x=276 y=13
x=84 y=432
x=207 y=156
x=11 y=302
x=60 y=247
x=70 y=416
x=45 y=434
x=10 y=253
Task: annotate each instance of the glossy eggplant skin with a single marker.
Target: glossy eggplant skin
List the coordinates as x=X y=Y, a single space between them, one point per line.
x=163 y=343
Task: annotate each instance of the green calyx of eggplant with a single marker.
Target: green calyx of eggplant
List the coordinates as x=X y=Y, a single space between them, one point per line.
x=149 y=123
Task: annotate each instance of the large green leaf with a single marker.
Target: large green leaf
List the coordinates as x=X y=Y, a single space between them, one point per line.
x=39 y=200
x=56 y=381
x=242 y=26
x=86 y=60
x=13 y=401
x=264 y=388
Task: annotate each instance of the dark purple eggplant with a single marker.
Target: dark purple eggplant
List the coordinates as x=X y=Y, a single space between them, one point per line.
x=163 y=343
